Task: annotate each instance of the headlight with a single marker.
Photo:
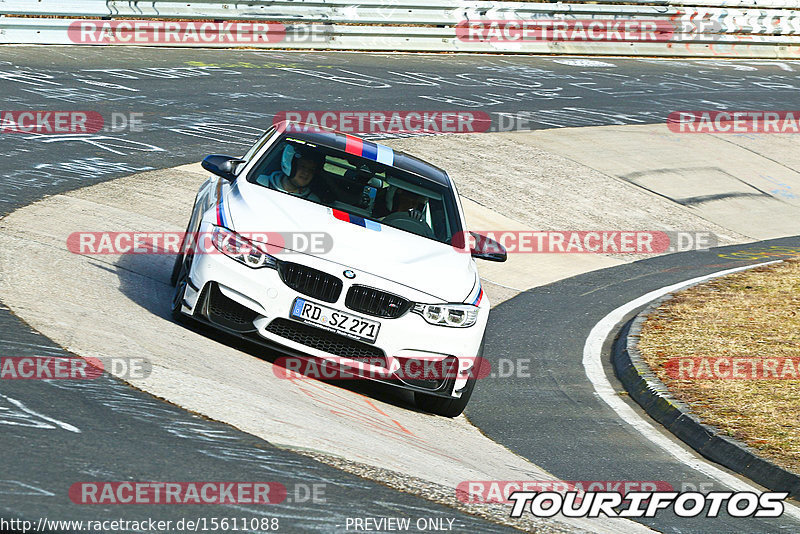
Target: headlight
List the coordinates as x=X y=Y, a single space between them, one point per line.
x=456 y=315
x=240 y=249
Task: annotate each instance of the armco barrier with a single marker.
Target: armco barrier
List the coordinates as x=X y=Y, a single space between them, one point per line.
x=702 y=28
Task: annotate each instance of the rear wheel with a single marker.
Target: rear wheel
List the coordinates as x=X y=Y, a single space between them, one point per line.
x=450 y=407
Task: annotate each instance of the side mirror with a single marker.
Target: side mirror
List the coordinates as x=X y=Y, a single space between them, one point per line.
x=223 y=166
x=487 y=249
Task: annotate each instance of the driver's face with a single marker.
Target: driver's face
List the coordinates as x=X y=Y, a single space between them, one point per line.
x=304 y=174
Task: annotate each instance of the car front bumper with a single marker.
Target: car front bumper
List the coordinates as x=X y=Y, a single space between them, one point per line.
x=256 y=304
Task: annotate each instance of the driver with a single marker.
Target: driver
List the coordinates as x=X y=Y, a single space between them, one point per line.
x=407 y=211
x=412 y=204
x=298 y=170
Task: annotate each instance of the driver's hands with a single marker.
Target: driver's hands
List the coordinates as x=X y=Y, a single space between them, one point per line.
x=417 y=215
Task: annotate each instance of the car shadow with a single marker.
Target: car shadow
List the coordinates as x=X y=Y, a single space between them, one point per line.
x=144 y=279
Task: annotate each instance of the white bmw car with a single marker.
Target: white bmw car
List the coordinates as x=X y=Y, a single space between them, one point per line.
x=326 y=246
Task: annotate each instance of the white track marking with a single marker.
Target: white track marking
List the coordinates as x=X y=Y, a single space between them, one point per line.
x=61 y=424
x=579 y=62
x=14 y=487
x=592 y=364
x=501 y=285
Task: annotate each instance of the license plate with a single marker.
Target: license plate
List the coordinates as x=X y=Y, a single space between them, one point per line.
x=335 y=321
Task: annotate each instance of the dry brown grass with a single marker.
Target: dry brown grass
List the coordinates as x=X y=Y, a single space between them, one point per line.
x=754 y=314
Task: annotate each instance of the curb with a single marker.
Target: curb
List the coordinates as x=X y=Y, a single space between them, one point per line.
x=653 y=396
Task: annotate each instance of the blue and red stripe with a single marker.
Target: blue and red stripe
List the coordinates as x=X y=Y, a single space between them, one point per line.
x=355 y=219
x=354 y=145
x=368 y=150
x=478 y=299
x=222 y=219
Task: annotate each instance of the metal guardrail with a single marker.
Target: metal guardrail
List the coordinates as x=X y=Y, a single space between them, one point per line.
x=221 y=9
x=770 y=30
x=417 y=12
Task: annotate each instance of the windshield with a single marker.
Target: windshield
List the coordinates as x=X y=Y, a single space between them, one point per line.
x=360 y=187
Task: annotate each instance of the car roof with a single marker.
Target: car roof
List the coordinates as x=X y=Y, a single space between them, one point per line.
x=345 y=142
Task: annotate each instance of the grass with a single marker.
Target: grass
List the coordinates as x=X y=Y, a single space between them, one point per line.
x=753 y=314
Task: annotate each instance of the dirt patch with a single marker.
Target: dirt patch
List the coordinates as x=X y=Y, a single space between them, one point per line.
x=730 y=349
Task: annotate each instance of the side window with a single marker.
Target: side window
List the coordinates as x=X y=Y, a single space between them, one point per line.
x=260 y=143
x=270 y=163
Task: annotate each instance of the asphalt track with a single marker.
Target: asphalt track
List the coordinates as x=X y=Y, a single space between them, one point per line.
x=197 y=102
x=555 y=415
x=126 y=435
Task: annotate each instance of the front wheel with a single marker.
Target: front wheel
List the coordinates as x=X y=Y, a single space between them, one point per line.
x=176 y=270
x=179 y=259
x=443 y=406
x=181 y=281
x=450 y=407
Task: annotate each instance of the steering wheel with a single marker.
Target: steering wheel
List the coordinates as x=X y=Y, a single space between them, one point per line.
x=403 y=221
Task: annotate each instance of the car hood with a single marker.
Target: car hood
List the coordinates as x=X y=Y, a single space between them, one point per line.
x=416 y=262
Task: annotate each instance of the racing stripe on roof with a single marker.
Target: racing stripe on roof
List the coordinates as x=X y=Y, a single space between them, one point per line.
x=368 y=150
x=354 y=146
x=385 y=155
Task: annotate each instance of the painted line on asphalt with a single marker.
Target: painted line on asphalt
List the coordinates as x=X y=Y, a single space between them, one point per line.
x=592 y=364
x=61 y=424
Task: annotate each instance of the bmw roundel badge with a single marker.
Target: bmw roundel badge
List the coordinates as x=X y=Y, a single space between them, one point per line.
x=349 y=274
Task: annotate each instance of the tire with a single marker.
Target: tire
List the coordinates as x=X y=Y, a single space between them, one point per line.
x=181 y=281
x=179 y=260
x=449 y=407
x=176 y=270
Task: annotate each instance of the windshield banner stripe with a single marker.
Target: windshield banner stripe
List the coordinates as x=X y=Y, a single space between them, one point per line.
x=354 y=146
x=385 y=155
x=370 y=151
